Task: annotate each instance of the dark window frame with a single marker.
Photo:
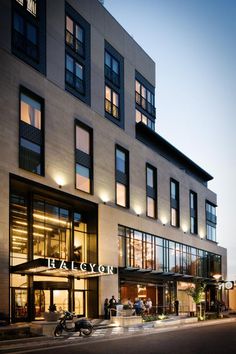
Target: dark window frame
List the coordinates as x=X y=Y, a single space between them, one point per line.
x=19 y=41
x=211 y=219
x=80 y=157
x=34 y=96
x=83 y=59
x=175 y=204
x=151 y=192
x=122 y=178
x=149 y=110
x=119 y=89
x=193 y=212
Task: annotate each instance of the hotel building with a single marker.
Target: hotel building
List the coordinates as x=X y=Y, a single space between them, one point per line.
x=94 y=202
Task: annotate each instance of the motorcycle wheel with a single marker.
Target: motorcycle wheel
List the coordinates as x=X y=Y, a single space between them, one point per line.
x=58 y=331
x=87 y=331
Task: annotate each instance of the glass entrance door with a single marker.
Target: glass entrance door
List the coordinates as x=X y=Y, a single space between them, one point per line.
x=45 y=299
x=19 y=304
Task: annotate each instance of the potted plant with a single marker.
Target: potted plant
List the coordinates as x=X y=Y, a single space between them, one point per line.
x=127 y=310
x=52 y=315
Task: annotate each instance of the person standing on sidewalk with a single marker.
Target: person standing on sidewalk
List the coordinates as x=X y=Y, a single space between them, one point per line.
x=177 y=307
x=106 y=309
x=112 y=305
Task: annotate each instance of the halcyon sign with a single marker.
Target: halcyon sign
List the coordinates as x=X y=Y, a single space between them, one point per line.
x=84 y=267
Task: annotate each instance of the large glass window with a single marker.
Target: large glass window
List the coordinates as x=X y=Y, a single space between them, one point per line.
x=19 y=229
x=84 y=158
x=151 y=191
x=122 y=177
x=51 y=230
x=31 y=132
x=211 y=221
x=140 y=250
x=28 y=32
x=174 y=203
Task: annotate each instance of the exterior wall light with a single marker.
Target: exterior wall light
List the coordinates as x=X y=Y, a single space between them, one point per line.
x=60 y=181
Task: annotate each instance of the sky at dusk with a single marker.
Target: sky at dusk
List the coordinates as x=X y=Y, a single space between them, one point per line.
x=193 y=43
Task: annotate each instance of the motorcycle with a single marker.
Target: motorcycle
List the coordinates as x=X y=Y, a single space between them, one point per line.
x=81 y=325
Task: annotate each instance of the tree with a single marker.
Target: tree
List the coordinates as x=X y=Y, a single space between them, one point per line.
x=196 y=291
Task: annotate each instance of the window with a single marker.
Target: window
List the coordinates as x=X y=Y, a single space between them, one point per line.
x=74 y=74
x=77 y=55
x=112 y=70
x=122 y=177
x=112 y=102
x=28 y=32
x=174 y=203
x=31 y=151
x=144 y=98
x=211 y=221
x=84 y=157
x=193 y=212
x=140 y=117
x=74 y=36
x=151 y=191
x=141 y=250
x=114 y=85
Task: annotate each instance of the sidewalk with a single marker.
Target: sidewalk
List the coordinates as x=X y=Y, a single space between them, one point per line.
x=103 y=328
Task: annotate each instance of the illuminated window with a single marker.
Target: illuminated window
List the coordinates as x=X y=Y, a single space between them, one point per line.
x=84 y=159
x=112 y=102
x=74 y=36
x=114 y=85
x=30 y=111
x=122 y=177
x=31 y=132
x=140 y=117
x=144 y=98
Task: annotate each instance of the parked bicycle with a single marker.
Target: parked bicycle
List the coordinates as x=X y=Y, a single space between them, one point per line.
x=77 y=324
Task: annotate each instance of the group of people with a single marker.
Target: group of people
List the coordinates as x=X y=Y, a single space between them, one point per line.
x=109 y=306
x=138 y=305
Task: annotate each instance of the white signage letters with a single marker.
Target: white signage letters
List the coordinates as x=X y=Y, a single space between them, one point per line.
x=84 y=267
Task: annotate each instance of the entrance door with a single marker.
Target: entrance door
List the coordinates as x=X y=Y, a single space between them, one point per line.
x=44 y=299
x=79 y=303
x=19 y=304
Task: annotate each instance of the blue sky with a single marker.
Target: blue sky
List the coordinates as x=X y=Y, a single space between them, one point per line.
x=193 y=43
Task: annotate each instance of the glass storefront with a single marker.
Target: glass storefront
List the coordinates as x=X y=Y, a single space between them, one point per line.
x=144 y=251
x=56 y=228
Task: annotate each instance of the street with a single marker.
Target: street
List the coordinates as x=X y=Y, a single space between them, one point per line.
x=212 y=339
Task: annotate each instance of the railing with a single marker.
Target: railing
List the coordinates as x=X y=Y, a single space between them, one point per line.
x=112 y=76
x=147 y=106
x=75 y=82
x=21 y=43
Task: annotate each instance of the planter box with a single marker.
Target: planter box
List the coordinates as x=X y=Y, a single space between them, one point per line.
x=51 y=316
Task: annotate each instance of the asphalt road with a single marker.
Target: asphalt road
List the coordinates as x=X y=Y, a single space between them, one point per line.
x=215 y=339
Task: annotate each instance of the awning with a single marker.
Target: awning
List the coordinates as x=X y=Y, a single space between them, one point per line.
x=61 y=268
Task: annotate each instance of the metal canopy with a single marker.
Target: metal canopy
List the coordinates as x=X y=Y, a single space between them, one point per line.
x=61 y=268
